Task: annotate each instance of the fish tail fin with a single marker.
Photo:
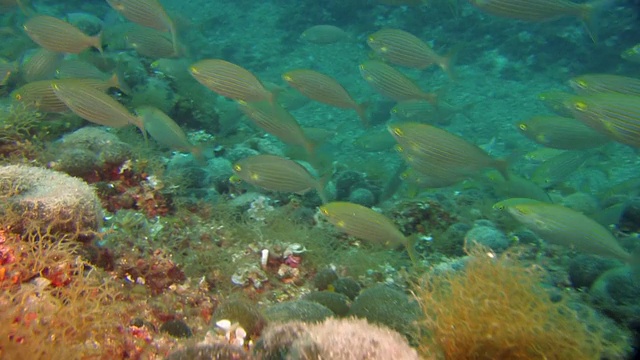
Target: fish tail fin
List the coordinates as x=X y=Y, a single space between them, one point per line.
x=410 y=245
x=96 y=42
x=310 y=146
x=361 y=109
x=139 y=123
x=117 y=81
x=197 y=153
x=447 y=61
x=274 y=94
x=113 y=81
x=590 y=13
x=174 y=39
x=24 y=7
x=503 y=167
x=432 y=98
x=321 y=184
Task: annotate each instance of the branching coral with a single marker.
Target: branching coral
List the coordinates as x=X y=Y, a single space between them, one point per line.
x=497 y=309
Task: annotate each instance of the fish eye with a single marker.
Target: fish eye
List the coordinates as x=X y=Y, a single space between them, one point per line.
x=286 y=77
x=18 y=97
x=361 y=66
x=237 y=167
x=498 y=207
x=580 y=106
x=324 y=211
x=523 y=126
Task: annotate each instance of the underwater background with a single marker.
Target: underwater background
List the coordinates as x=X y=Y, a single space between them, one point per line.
x=355 y=179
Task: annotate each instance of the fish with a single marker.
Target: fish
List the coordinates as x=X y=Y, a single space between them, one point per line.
x=164 y=130
x=291 y=99
x=323 y=34
x=605 y=83
x=413 y=110
x=277 y=121
x=151 y=43
x=230 y=80
x=559 y=168
x=544 y=10
x=39 y=95
x=40 y=65
x=375 y=140
x=632 y=54
x=7 y=68
x=88 y=73
x=542 y=154
x=441 y=152
x=318 y=135
x=563 y=226
x=94 y=105
x=559 y=132
x=555 y=101
x=149 y=13
x=79 y=69
x=392 y=83
x=516 y=186
x=422 y=111
x=325 y=89
x=428 y=178
x=276 y=173
x=614 y=115
x=361 y=222
x=59 y=36
x=393 y=184
x=403 y=48
x=403 y=2
x=504 y=205
x=6 y=5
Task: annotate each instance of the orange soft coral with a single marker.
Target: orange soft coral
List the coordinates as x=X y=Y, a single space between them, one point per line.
x=497 y=309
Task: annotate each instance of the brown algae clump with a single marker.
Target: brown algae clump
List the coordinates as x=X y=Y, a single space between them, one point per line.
x=497 y=308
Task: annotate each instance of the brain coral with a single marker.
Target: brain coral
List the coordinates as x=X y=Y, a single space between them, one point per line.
x=37 y=199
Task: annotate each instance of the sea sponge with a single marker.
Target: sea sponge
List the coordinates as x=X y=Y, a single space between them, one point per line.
x=87 y=151
x=33 y=198
x=382 y=304
x=333 y=339
x=496 y=308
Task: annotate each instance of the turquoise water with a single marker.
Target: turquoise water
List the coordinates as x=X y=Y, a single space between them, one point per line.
x=184 y=234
